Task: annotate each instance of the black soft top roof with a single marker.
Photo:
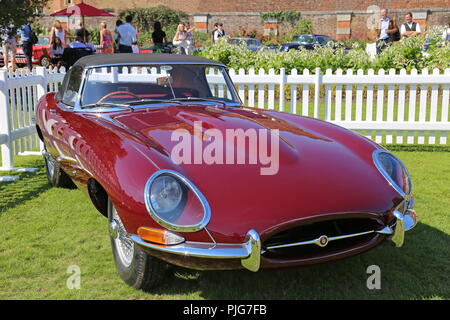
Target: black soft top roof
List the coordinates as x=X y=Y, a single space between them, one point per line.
x=132 y=58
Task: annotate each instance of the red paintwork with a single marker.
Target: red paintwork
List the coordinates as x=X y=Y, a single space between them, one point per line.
x=324 y=169
x=82 y=9
x=39 y=51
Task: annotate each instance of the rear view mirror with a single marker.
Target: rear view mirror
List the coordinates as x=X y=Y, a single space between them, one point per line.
x=164 y=81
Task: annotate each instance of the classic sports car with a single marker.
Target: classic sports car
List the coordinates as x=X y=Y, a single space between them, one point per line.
x=113 y=129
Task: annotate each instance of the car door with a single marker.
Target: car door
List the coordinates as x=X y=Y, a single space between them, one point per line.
x=57 y=126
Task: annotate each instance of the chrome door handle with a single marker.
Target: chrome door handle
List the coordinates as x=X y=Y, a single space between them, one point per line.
x=52 y=111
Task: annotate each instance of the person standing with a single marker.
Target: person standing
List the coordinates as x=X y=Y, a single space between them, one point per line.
x=410 y=28
x=386 y=32
x=83 y=32
x=213 y=33
x=190 y=38
x=106 y=39
x=127 y=36
x=58 y=31
x=117 y=36
x=180 y=39
x=159 y=37
x=9 y=39
x=27 y=44
x=219 y=33
x=446 y=33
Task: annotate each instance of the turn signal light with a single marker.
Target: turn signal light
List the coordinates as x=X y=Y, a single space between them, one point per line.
x=159 y=236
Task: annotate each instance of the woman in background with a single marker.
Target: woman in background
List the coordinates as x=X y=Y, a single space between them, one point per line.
x=58 y=31
x=56 y=52
x=180 y=39
x=106 y=39
x=159 y=37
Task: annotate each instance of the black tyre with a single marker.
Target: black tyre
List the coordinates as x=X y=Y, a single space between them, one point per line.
x=55 y=174
x=135 y=267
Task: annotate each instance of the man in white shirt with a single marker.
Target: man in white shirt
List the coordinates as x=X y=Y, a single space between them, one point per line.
x=410 y=28
x=127 y=36
x=219 y=32
x=446 y=33
x=386 y=31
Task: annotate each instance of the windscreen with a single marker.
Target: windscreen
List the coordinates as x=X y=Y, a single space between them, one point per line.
x=303 y=38
x=122 y=84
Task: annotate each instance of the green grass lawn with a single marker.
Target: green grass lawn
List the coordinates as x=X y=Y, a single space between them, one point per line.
x=44 y=230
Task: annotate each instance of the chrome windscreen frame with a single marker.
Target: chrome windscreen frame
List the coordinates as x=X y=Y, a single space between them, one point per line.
x=383 y=172
x=171 y=226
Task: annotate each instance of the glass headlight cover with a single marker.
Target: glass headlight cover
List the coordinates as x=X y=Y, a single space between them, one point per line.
x=175 y=203
x=393 y=170
x=166 y=194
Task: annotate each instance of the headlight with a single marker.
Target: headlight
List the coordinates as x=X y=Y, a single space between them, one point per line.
x=175 y=203
x=166 y=194
x=393 y=170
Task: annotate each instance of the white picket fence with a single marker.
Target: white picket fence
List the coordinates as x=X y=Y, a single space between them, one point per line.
x=387 y=107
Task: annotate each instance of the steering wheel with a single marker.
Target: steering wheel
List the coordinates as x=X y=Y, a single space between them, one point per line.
x=117 y=92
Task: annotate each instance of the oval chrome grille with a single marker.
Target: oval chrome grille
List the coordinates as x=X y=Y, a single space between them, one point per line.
x=322 y=237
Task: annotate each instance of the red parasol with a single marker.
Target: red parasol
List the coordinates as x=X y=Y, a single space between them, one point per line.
x=82 y=10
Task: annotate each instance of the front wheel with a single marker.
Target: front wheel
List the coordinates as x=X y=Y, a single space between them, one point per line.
x=135 y=267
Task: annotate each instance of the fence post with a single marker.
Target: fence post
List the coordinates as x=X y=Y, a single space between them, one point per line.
x=5 y=124
x=317 y=84
x=41 y=89
x=282 y=84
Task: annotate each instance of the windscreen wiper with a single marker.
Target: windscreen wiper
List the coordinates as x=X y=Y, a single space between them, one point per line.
x=107 y=104
x=147 y=101
x=199 y=99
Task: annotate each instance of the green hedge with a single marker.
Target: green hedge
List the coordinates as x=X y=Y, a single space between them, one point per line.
x=403 y=54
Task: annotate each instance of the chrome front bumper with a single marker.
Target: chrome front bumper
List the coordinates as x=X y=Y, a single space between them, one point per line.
x=250 y=251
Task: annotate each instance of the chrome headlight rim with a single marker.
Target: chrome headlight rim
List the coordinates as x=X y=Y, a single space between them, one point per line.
x=187 y=183
x=387 y=177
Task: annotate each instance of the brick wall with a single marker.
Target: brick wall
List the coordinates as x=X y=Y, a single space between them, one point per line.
x=330 y=17
x=207 y=6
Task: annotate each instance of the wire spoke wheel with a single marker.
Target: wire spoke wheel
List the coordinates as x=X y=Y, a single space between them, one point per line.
x=124 y=244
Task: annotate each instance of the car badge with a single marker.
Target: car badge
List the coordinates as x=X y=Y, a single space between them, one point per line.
x=323 y=241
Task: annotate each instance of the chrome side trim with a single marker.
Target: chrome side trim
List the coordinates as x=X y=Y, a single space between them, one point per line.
x=249 y=251
x=175 y=227
x=320 y=240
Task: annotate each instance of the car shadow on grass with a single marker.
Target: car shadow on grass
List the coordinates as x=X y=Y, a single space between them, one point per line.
x=418 y=270
x=29 y=185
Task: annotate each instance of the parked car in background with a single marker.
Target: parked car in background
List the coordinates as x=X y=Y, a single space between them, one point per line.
x=307 y=41
x=41 y=53
x=252 y=44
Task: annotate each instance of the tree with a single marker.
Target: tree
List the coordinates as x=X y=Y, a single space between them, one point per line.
x=144 y=18
x=19 y=12
x=303 y=26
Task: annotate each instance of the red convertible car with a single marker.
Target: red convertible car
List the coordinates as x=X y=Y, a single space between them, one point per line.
x=41 y=53
x=116 y=130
